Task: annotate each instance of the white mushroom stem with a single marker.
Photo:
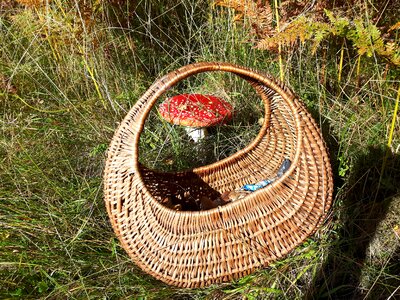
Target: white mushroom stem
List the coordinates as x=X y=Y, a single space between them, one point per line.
x=196 y=133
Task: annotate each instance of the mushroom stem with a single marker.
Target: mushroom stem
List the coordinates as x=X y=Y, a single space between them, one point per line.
x=196 y=133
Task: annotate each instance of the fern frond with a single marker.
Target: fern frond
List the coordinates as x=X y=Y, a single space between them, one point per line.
x=299 y=30
x=260 y=16
x=32 y=3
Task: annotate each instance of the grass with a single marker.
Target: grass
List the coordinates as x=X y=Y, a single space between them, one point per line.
x=65 y=88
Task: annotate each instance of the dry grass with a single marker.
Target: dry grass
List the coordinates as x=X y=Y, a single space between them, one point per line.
x=67 y=82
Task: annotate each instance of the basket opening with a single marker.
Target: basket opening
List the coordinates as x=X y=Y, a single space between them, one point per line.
x=189 y=191
x=179 y=191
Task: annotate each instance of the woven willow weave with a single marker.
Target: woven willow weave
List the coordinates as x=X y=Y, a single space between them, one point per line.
x=198 y=248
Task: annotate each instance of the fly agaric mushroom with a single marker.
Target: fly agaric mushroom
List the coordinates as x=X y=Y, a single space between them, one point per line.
x=195 y=112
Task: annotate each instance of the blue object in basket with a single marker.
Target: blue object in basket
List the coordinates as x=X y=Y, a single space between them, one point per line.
x=263 y=183
x=258 y=185
x=284 y=167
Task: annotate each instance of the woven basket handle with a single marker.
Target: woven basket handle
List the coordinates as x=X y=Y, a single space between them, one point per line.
x=144 y=105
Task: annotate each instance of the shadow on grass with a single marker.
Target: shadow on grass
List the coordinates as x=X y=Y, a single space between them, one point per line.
x=365 y=202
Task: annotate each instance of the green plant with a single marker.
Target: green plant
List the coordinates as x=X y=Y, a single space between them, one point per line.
x=366 y=38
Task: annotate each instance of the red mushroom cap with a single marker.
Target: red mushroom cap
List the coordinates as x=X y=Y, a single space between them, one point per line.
x=195 y=110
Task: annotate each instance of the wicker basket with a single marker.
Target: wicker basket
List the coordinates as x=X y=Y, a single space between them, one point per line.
x=198 y=248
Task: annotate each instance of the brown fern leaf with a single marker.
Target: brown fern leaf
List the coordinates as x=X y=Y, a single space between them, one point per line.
x=294 y=32
x=258 y=13
x=289 y=9
x=32 y=3
x=395 y=26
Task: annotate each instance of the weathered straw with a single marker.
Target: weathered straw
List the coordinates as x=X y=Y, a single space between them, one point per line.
x=198 y=248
